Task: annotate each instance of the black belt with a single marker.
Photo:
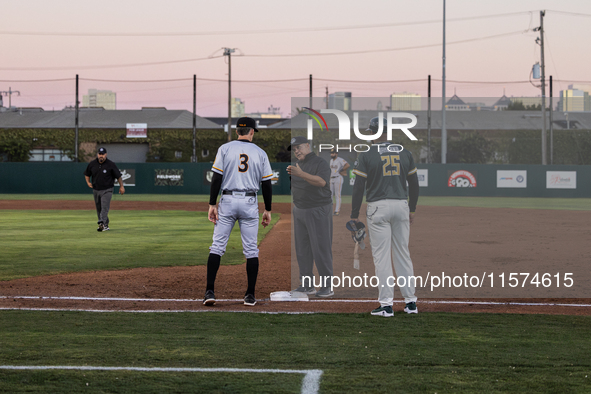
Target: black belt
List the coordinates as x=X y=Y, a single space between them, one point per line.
x=248 y=194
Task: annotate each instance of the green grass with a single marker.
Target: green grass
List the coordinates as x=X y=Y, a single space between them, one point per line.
x=578 y=204
x=575 y=204
x=49 y=242
x=436 y=352
x=128 y=196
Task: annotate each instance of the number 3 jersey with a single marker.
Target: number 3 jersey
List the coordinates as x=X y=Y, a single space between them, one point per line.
x=243 y=166
x=385 y=167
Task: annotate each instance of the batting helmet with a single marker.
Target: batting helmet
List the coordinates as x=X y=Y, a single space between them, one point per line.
x=374 y=124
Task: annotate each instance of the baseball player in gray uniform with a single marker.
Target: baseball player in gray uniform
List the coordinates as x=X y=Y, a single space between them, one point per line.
x=338 y=169
x=383 y=173
x=240 y=167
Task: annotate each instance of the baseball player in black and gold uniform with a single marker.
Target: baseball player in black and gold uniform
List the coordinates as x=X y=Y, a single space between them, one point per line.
x=240 y=168
x=383 y=173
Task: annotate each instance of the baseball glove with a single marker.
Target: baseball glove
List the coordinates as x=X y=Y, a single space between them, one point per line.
x=357 y=232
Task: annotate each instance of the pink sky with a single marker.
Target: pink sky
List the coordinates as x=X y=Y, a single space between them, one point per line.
x=507 y=58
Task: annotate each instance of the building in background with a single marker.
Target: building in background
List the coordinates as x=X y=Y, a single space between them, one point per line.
x=405 y=102
x=237 y=107
x=272 y=113
x=100 y=98
x=340 y=101
x=502 y=104
x=574 y=99
x=456 y=104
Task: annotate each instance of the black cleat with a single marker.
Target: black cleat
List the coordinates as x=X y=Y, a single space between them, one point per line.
x=249 y=300
x=209 y=299
x=411 y=307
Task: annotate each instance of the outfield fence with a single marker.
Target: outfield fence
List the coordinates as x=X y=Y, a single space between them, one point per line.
x=470 y=180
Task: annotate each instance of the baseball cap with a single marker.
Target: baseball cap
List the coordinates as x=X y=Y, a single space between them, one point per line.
x=247 y=122
x=102 y=151
x=334 y=150
x=297 y=141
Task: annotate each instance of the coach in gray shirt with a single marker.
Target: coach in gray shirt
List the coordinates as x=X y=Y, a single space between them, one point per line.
x=312 y=214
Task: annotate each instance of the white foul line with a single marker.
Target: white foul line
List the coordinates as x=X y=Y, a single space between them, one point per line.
x=310 y=384
x=509 y=303
x=152 y=311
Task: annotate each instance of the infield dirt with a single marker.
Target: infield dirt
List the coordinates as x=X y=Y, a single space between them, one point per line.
x=434 y=237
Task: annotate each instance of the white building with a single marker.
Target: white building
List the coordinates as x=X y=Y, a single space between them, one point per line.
x=237 y=107
x=574 y=100
x=340 y=101
x=100 y=98
x=405 y=102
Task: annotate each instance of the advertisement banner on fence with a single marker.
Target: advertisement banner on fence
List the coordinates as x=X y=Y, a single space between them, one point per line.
x=127 y=176
x=511 y=179
x=561 y=179
x=171 y=177
x=423 y=176
x=461 y=178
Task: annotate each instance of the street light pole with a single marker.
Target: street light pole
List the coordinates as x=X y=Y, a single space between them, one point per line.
x=544 y=147
x=76 y=124
x=194 y=157
x=228 y=52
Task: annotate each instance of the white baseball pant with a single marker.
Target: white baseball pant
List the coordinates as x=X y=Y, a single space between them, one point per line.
x=336 y=187
x=389 y=231
x=245 y=210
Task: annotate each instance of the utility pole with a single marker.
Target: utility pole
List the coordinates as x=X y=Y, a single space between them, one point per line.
x=443 y=128
x=76 y=125
x=194 y=157
x=544 y=148
x=9 y=93
x=228 y=52
x=429 y=120
x=326 y=96
x=310 y=105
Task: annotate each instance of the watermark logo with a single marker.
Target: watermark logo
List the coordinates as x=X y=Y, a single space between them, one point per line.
x=345 y=124
x=392 y=124
x=317 y=117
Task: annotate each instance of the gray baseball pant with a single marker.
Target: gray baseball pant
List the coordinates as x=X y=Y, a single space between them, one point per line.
x=313 y=241
x=102 y=200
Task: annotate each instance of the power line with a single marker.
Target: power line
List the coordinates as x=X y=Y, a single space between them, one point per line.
x=570 y=80
x=36 y=80
x=483 y=82
x=392 y=49
x=351 y=81
x=282 y=80
x=268 y=31
x=570 y=13
x=136 y=80
x=106 y=66
x=265 y=55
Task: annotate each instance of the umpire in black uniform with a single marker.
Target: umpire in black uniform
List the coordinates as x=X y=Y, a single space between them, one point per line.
x=103 y=172
x=312 y=214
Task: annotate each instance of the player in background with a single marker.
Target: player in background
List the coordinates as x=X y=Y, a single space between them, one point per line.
x=383 y=172
x=338 y=169
x=239 y=168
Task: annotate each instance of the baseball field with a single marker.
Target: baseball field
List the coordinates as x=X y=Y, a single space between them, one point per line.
x=120 y=311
